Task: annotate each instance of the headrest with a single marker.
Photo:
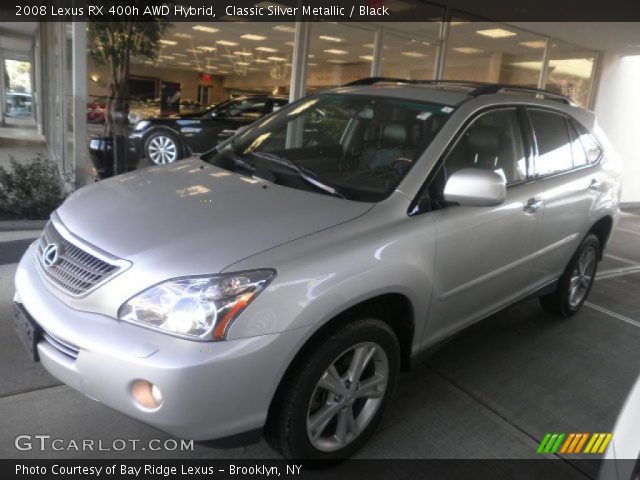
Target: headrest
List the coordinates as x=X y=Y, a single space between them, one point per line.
x=484 y=139
x=394 y=135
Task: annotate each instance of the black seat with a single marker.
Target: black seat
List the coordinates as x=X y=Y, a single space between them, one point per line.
x=393 y=143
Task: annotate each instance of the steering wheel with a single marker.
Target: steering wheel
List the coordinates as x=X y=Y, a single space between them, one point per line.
x=401 y=161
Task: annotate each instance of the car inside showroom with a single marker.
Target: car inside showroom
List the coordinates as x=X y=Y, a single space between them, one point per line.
x=385 y=238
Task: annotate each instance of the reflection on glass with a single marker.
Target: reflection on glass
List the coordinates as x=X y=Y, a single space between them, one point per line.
x=492 y=52
x=413 y=58
x=338 y=54
x=570 y=71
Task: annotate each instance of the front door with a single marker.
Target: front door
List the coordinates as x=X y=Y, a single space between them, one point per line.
x=484 y=255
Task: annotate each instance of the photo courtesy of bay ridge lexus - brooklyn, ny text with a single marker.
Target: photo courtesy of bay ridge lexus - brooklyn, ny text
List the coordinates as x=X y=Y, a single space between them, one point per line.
x=386 y=239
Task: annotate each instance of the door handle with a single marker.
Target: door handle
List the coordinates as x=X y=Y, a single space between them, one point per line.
x=532 y=205
x=595 y=184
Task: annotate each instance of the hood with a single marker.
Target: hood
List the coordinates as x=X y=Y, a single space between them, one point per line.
x=193 y=218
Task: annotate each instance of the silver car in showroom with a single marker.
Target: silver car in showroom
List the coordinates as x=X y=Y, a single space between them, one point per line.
x=277 y=284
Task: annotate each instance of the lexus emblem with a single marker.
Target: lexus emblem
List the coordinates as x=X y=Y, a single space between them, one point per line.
x=51 y=255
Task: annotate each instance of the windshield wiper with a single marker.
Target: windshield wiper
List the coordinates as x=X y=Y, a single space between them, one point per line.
x=304 y=173
x=238 y=162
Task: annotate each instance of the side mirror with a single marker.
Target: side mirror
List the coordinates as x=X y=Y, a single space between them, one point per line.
x=474 y=187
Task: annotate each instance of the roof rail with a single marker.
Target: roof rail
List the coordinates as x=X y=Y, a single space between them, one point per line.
x=490 y=89
x=374 y=80
x=476 y=88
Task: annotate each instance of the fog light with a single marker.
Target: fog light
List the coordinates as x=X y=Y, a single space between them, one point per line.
x=146 y=394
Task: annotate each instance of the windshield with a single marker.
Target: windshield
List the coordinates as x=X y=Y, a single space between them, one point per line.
x=357 y=147
x=243 y=107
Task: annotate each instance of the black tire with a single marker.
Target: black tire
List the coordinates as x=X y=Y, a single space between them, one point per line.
x=286 y=428
x=162 y=136
x=561 y=302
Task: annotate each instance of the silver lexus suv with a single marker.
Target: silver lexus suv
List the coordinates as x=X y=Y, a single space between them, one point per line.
x=277 y=284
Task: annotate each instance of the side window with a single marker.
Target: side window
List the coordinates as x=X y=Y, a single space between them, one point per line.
x=589 y=143
x=554 y=146
x=579 y=155
x=493 y=142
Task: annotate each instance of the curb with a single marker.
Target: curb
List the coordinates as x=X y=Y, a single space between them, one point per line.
x=14 y=225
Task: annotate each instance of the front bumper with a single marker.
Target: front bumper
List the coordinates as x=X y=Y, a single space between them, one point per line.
x=210 y=389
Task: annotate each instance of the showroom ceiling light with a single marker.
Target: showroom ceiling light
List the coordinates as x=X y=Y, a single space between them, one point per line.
x=333 y=60
x=365 y=57
x=312 y=64
x=203 y=28
x=227 y=55
x=277 y=59
x=266 y=49
x=467 y=50
x=182 y=35
x=413 y=54
x=243 y=54
x=167 y=57
x=260 y=60
x=183 y=63
x=534 y=44
x=206 y=48
x=329 y=38
x=180 y=55
x=367 y=45
x=251 y=36
x=243 y=64
x=285 y=28
x=335 y=51
x=496 y=33
x=226 y=43
x=168 y=42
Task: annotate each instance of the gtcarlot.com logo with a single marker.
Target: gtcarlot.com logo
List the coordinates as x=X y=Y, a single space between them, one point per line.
x=44 y=442
x=574 y=443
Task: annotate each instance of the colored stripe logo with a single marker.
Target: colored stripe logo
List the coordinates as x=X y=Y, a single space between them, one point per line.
x=568 y=443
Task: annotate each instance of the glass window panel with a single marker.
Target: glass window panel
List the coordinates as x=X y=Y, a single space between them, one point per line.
x=552 y=138
x=579 y=155
x=492 y=142
x=493 y=52
x=412 y=58
x=570 y=71
x=338 y=54
x=589 y=143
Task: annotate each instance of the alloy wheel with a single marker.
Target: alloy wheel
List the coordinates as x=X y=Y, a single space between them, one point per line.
x=582 y=276
x=162 y=150
x=347 y=396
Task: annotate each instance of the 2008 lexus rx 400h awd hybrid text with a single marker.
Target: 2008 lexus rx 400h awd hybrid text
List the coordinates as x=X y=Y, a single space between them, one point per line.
x=297 y=267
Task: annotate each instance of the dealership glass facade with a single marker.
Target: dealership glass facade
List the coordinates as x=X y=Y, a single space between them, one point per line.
x=230 y=58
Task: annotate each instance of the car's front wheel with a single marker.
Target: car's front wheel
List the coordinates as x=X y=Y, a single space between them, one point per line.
x=576 y=281
x=162 y=148
x=336 y=394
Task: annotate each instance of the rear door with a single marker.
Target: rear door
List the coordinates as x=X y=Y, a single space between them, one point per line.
x=567 y=184
x=484 y=255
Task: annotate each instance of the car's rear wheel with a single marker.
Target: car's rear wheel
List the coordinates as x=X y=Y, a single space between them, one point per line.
x=335 y=397
x=161 y=148
x=576 y=281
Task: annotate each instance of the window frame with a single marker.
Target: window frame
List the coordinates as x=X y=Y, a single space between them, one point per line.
x=417 y=207
x=568 y=119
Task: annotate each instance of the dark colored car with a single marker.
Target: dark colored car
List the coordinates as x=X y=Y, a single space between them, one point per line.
x=167 y=139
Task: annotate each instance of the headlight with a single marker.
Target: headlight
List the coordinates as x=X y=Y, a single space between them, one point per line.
x=141 y=125
x=200 y=308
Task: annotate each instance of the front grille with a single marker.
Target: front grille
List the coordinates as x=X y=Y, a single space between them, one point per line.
x=75 y=271
x=63 y=347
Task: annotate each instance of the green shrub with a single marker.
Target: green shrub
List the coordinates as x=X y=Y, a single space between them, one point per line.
x=30 y=190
